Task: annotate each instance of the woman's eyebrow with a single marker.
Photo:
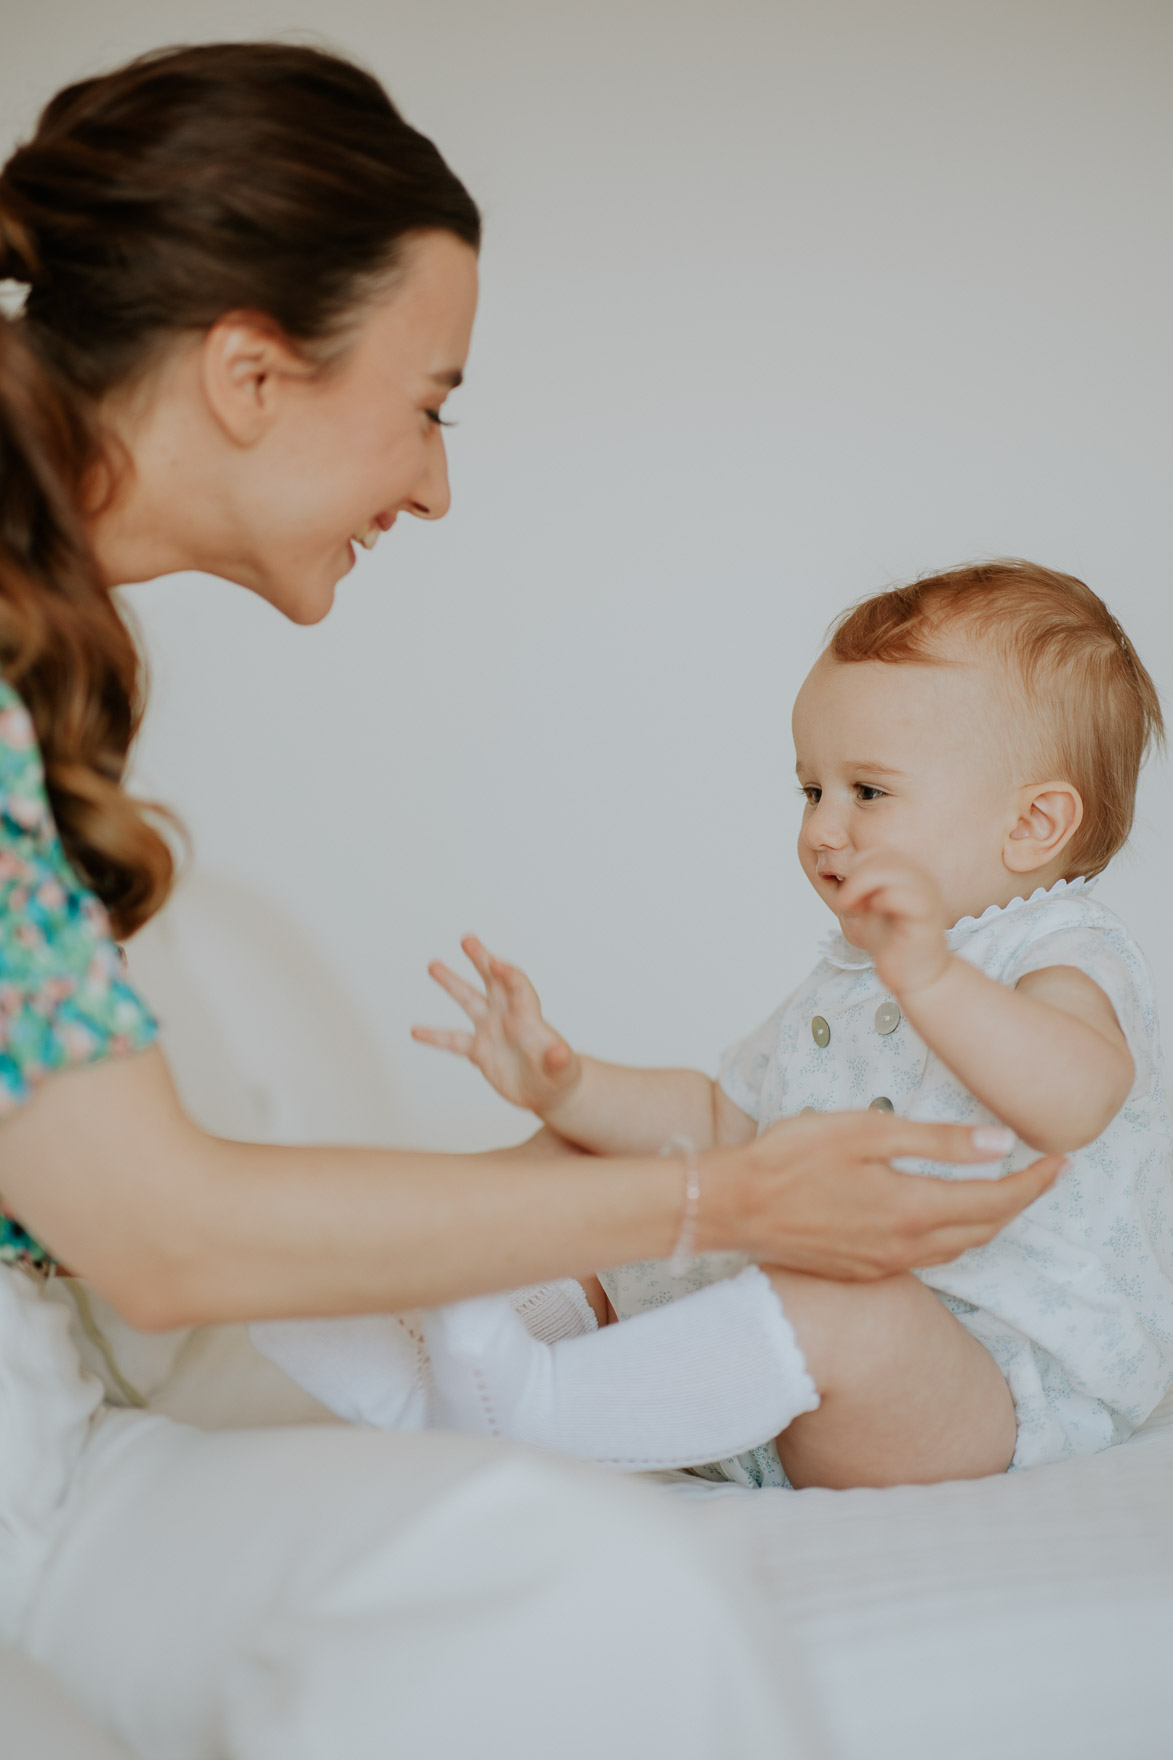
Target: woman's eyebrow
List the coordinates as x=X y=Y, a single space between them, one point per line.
x=451 y=377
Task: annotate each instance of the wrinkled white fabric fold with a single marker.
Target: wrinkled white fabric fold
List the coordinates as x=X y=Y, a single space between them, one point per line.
x=709 y=1376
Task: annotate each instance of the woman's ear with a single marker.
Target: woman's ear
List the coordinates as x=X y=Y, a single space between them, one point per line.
x=1048 y=816
x=244 y=361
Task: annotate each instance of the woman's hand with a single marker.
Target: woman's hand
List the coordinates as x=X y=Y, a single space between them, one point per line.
x=818 y=1194
x=893 y=910
x=516 y=1051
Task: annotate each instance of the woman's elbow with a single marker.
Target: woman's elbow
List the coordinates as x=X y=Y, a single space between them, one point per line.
x=152 y=1294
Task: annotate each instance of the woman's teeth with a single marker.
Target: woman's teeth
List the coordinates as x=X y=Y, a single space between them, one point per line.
x=370 y=537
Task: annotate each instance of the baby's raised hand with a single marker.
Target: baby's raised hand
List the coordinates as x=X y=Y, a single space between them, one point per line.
x=893 y=910
x=512 y=1046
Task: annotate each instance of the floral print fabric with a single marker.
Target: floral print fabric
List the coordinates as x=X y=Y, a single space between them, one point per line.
x=64 y=994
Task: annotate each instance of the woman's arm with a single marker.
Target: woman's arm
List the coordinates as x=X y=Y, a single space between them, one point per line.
x=175 y=1227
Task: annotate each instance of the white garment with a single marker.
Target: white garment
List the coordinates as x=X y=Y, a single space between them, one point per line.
x=1074 y=1298
x=302 y=1594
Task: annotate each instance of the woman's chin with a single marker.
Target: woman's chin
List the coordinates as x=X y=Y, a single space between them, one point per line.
x=308 y=600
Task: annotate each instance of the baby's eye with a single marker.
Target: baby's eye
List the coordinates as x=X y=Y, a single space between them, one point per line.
x=810 y=793
x=866 y=792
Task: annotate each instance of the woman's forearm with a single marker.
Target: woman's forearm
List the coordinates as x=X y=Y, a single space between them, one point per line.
x=174 y=1226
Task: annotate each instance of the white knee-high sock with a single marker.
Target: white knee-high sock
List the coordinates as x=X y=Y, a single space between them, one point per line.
x=706 y=1377
x=371 y=1369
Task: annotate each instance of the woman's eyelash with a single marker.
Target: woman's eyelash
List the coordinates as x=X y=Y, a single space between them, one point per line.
x=434 y=415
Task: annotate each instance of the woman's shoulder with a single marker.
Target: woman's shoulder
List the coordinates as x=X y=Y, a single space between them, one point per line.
x=65 y=996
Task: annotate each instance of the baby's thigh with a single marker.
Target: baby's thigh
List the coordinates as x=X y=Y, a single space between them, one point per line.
x=908 y=1395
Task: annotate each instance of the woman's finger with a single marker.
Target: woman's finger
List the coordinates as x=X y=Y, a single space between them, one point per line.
x=444 y=1040
x=470 y=1000
x=944 y=1245
x=893 y=1136
x=993 y=1200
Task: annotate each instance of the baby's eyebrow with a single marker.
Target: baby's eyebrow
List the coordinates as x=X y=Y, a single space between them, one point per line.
x=875 y=769
x=869 y=765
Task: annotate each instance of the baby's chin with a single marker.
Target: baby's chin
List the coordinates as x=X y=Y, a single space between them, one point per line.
x=851 y=929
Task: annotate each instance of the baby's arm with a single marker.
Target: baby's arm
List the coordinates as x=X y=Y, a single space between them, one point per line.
x=1047 y=1056
x=608 y=1108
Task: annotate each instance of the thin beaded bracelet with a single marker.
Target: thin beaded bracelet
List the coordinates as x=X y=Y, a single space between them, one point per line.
x=684 y=1252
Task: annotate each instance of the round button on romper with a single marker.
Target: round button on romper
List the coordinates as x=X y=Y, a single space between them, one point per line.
x=887 y=1017
x=820 y=1031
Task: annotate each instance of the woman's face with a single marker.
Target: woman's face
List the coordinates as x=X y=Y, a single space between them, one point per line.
x=250 y=463
x=347 y=451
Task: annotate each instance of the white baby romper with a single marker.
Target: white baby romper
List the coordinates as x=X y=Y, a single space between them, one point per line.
x=1074 y=1298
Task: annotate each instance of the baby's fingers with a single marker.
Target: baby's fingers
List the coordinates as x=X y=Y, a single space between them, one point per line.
x=517 y=987
x=459 y=1043
x=480 y=956
x=470 y=1000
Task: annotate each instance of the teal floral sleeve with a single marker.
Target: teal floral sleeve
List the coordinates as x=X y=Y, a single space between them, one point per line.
x=64 y=995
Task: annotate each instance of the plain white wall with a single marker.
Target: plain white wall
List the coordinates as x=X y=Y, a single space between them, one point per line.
x=782 y=302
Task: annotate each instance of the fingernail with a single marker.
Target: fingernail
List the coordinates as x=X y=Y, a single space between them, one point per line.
x=993 y=1139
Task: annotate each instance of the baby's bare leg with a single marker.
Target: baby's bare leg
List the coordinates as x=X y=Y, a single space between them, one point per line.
x=908 y=1396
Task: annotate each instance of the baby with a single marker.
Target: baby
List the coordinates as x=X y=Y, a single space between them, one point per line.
x=968 y=752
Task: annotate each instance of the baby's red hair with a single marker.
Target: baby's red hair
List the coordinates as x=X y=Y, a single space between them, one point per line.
x=1097 y=708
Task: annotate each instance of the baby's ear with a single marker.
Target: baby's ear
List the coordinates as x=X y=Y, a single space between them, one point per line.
x=1048 y=816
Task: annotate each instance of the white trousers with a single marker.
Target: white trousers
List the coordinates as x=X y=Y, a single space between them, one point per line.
x=320 y=1593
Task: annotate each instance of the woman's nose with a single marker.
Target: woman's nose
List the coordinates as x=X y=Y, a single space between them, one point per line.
x=431 y=497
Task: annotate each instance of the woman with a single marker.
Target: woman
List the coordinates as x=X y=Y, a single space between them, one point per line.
x=251 y=287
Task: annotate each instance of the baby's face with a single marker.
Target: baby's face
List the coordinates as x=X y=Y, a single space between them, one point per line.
x=919 y=758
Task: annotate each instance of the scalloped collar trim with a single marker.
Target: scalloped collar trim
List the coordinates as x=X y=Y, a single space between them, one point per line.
x=838 y=951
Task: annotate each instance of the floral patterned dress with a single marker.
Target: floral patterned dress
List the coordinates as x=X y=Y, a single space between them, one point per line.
x=64 y=995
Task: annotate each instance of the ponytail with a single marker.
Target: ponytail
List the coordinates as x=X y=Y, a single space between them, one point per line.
x=63 y=645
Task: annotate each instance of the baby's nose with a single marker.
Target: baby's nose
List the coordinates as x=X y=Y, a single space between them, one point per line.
x=824 y=828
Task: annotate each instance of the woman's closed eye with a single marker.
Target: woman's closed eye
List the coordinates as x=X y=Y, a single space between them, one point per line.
x=434 y=415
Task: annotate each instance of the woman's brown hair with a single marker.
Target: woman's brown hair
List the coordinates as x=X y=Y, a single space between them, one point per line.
x=149 y=202
x=1080 y=684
